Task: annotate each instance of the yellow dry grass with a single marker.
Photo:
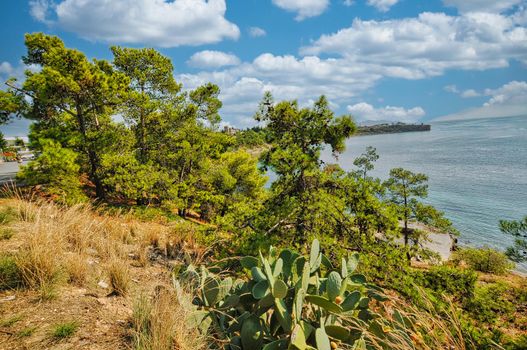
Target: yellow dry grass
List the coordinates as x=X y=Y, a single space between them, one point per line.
x=161 y=321
x=63 y=251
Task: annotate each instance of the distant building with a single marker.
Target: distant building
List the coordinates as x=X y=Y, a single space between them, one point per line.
x=230 y=130
x=17 y=150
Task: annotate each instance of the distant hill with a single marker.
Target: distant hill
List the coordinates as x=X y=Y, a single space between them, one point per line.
x=391 y=128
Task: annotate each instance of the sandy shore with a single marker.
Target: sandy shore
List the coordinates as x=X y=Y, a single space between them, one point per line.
x=440 y=243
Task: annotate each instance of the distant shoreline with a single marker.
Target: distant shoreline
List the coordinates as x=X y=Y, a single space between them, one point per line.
x=391 y=129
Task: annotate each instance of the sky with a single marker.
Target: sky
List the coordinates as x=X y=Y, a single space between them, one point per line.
x=378 y=60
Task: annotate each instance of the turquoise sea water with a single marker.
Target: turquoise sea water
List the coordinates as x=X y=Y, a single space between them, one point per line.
x=477 y=171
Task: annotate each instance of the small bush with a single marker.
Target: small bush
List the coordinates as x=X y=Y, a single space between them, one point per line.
x=119 y=277
x=64 y=330
x=162 y=322
x=47 y=291
x=6 y=233
x=77 y=269
x=39 y=266
x=10 y=276
x=450 y=280
x=26 y=332
x=8 y=322
x=490 y=302
x=485 y=260
x=7 y=215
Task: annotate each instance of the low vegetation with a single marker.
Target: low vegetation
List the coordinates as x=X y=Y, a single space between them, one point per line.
x=485 y=260
x=64 y=330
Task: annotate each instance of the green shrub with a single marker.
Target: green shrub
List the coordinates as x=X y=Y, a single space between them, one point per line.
x=26 y=332
x=520 y=343
x=485 y=260
x=8 y=322
x=64 y=330
x=450 y=280
x=10 y=276
x=7 y=215
x=57 y=169
x=6 y=233
x=489 y=302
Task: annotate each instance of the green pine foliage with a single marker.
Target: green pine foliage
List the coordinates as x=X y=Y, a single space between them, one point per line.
x=56 y=168
x=517 y=229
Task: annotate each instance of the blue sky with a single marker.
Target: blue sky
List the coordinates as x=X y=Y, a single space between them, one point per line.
x=396 y=60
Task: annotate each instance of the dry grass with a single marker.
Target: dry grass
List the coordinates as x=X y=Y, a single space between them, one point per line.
x=161 y=322
x=39 y=259
x=60 y=255
x=153 y=237
x=76 y=268
x=429 y=328
x=143 y=254
x=119 y=277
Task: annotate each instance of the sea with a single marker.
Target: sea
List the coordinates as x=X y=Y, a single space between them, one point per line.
x=477 y=171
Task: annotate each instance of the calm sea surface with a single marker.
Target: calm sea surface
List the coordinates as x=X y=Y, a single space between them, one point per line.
x=477 y=171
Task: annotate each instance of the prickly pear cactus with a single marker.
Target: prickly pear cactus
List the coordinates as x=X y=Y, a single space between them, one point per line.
x=290 y=301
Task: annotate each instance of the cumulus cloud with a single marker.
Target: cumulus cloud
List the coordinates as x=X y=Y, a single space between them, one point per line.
x=465 y=94
x=161 y=23
x=287 y=77
x=39 y=9
x=5 y=68
x=212 y=59
x=451 y=88
x=345 y=64
x=303 y=8
x=505 y=101
x=256 y=32
x=470 y=93
x=366 y=112
x=514 y=92
x=382 y=5
x=426 y=46
x=482 y=5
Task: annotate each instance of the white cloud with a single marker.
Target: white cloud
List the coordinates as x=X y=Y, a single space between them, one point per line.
x=357 y=58
x=465 y=94
x=382 y=5
x=514 y=92
x=39 y=9
x=155 y=22
x=482 y=5
x=256 y=32
x=505 y=101
x=348 y=2
x=364 y=111
x=287 y=77
x=6 y=68
x=303 y=8
x=212 y=59
x=426 y=46
x=451 y=88
x=470 y=93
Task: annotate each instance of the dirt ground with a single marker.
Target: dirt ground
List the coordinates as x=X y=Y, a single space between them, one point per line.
x=103 y=321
